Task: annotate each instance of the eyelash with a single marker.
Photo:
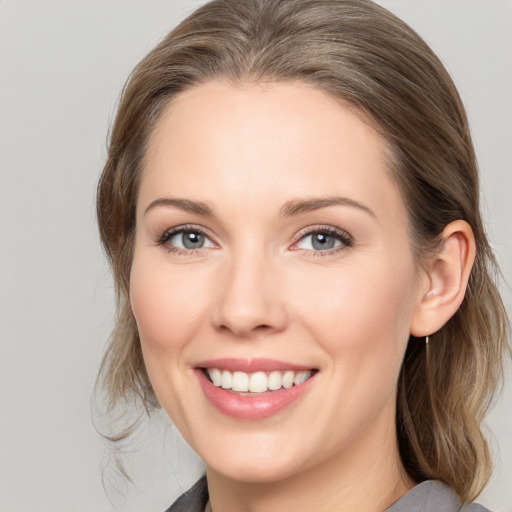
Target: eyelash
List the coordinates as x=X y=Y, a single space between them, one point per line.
x=168 y=235
x=339 y=234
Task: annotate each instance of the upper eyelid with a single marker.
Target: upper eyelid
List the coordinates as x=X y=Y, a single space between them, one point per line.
x=319 y=228
x=343 y=236
x=306 y=231
x=169 y=233
x=187 y=227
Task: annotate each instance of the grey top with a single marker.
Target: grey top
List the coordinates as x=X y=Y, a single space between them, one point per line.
x=429 y=496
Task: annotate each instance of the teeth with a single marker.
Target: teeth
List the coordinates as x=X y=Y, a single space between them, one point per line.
x=226 y=379
x=301 y=377
x=275 y=381
x=288 y=380
x=258 y=382
x=240 y=381
x=216 y=376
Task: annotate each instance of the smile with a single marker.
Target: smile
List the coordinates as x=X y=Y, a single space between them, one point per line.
x=259 y=382
x=255 y=389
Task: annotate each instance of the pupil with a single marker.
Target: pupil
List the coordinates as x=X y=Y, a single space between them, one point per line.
x=323 y=242
x=193 y=240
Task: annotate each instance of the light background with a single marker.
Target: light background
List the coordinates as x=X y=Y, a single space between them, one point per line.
x=62 y=66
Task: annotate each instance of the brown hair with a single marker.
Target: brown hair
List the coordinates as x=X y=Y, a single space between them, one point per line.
x=362 y=54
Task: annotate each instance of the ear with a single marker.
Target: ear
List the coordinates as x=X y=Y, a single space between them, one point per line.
x=445 y=280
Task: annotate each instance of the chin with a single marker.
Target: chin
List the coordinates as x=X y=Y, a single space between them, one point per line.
x=253 y=461
x=254 y=471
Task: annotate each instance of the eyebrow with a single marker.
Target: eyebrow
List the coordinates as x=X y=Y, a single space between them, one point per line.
x=198 y=207
x=299 y=206
x=289 y=209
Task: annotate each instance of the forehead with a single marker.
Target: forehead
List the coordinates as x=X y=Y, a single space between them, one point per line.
x=259 y=143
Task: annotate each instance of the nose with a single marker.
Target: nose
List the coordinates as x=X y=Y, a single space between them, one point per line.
x=250 y=298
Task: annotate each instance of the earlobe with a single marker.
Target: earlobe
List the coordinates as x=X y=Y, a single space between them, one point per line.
x=447 y=276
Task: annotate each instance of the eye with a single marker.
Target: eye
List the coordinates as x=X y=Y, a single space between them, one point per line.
x=326 y=240
x=185 y=239
x=188 y=240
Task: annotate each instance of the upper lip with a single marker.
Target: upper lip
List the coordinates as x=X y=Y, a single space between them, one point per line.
x=251 y=365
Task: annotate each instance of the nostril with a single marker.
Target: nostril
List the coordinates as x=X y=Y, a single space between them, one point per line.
x=262 y=327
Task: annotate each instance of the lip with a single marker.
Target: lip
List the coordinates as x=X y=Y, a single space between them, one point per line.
x=251 y=407
x=259 y=364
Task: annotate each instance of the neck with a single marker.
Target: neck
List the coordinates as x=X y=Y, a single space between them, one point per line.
x=368 y=477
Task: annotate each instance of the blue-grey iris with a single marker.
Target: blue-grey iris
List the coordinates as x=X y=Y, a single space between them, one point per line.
x=192 y=240
x=321 y=241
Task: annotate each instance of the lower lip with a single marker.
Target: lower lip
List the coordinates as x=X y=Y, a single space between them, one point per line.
x=252 y=407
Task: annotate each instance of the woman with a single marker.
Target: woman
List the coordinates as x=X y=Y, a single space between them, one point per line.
x=290 y=207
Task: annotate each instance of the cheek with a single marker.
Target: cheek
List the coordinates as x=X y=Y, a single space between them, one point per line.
x=166 y=304
x=167 y=307
x=360 y=315
x=357 y=299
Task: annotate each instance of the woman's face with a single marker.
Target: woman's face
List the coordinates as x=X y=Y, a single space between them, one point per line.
x=272 y=258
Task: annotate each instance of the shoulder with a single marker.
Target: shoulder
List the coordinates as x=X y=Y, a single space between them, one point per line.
x=194 y=500
x=428 y=496
x=432 y=495
x=474 y=507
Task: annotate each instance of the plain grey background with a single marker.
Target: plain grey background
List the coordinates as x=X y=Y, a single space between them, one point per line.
x=62 y=66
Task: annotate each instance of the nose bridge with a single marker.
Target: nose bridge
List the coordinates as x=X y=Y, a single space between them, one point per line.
x=249 y=297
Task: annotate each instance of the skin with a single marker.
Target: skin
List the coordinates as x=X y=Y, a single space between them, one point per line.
x=258 y=288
